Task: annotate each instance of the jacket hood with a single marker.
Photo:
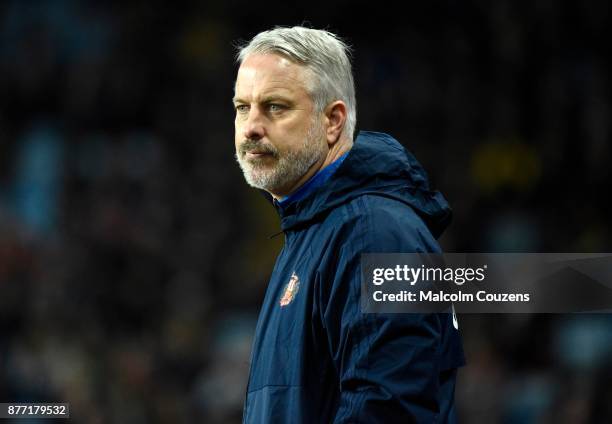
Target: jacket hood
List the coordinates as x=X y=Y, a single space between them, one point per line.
x=379 y=165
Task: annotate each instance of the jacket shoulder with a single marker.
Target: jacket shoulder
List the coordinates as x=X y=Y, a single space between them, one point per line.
x=382 y=224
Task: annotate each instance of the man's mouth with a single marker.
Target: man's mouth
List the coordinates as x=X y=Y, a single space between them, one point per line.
x=258 y=153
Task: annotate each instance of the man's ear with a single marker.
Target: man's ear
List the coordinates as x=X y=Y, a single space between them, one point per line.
x=335 y=119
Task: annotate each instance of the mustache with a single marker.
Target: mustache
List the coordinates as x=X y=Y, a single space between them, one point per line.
x=249 y=146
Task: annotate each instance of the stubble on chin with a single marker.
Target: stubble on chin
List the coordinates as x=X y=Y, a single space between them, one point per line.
x=280 y=169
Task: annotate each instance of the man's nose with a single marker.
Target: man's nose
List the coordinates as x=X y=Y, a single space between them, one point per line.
x=254 y=126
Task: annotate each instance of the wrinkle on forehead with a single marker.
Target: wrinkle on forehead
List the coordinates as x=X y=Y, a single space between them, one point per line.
x=262 y=73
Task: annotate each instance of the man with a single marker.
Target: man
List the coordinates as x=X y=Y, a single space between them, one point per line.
x=316 y=357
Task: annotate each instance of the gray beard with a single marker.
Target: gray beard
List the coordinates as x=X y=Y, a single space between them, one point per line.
x=289 y=167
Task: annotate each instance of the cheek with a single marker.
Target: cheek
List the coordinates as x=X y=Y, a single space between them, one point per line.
x=237 y=139
x=236 y=127
x=295 y=132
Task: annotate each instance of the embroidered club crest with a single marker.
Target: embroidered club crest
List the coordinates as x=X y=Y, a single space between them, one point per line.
x=290 y=290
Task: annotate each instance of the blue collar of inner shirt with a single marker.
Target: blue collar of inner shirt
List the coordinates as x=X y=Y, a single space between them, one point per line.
x=316 y=181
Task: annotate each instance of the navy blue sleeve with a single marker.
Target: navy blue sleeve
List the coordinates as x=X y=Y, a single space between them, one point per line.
x=389 y=365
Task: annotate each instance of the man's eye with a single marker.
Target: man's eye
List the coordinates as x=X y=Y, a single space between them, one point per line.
x=275 y=108
x=242 y=108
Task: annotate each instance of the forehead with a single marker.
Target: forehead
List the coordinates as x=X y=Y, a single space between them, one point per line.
x=263 y=74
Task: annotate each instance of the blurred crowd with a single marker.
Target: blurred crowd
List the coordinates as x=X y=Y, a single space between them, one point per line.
x=133 y=258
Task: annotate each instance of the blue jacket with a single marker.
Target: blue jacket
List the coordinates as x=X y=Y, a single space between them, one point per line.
x=316 y=357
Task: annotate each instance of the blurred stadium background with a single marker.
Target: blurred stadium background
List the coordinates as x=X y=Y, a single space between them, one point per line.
x=133 y=258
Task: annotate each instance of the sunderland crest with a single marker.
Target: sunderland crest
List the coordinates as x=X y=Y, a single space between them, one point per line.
x=290 y=290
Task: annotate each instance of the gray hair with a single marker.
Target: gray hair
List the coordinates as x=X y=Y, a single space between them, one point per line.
x=324 y=54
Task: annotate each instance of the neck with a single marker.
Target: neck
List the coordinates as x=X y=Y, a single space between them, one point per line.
x=339 y=148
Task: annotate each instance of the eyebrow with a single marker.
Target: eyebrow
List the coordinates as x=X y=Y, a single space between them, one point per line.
x=266 y=99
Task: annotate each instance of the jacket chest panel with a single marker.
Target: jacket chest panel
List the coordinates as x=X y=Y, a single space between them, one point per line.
x=285 y=322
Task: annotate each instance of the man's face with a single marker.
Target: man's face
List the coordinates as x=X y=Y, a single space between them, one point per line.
x=278 y=135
